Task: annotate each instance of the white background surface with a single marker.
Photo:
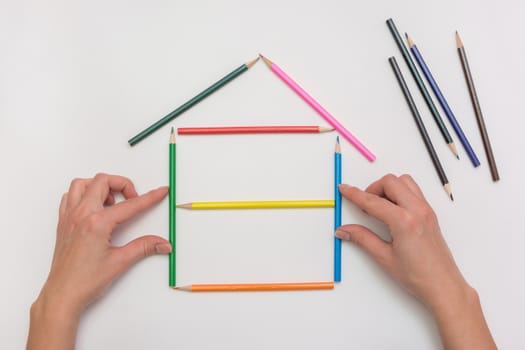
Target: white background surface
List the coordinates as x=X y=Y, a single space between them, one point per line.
x=78 y=79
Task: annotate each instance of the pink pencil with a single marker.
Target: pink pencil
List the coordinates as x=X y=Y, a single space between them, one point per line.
x=319 y=109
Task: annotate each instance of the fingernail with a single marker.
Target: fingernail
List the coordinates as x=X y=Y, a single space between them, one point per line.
x=345 y=235
x=343 y=186
x=163 y=248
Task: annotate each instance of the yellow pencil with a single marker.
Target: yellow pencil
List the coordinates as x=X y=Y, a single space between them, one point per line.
x=317 y=203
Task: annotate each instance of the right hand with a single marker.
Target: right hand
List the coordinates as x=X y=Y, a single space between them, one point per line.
x=417 y=256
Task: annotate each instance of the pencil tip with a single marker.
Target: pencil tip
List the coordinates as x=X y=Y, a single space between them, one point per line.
x=252 y=62
x=183 y=288
x=172 y=135
x=406 y=35
x=337 y=139
x=265 y=60
x=452 y=147
x=448 y=190
x=459 y=43
x=409 y=40
x=325 y=129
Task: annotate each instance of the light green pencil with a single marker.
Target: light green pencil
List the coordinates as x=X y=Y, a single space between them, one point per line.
x=172 y=208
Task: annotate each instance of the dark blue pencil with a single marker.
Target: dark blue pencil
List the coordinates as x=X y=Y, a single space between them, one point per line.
x=450 y=115
x=337 y=210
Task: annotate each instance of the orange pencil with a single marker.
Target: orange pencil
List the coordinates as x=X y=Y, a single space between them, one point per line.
x=256 y=287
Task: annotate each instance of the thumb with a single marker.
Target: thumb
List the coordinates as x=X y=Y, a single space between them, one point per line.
x=142 y=247
x=368 y=241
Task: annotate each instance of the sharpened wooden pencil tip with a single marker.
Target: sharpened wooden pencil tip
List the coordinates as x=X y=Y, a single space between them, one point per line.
x=449 y=191
x=337 y=145
x=325 y=129
x=452 y=147
x=250 y=64
x=172 y=135
x=183 y=288
x=267 y=61
x=459 y=43
x=409 y=40
x=184 y=206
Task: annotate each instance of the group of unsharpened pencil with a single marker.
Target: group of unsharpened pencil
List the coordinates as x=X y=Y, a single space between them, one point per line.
x=443 y=102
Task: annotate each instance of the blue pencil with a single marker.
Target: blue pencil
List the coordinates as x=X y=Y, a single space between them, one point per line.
x=421 y=62
x=337 y=211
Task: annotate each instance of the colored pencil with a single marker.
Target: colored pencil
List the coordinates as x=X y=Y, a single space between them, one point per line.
x=259 y=204
x=477 y=109
x=421 y=127
x=192 y=102
x=319 y=109
x=421 y=86
x=256 y=287
x=443 y=103
x=252 y=130
x=337 y=211
x=172 y=209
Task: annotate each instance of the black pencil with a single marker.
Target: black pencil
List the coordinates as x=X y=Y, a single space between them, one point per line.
x=477 y=109
x=421 y=127
x=421 y=86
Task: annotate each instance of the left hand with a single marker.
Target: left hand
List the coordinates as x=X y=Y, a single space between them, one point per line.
x=85 y=262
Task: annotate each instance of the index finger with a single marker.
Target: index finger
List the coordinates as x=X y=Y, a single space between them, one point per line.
x=129 y=208
x=394 y=189
x=103 y=184
x=372 y=204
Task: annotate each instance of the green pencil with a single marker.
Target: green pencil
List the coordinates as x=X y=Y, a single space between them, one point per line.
x=192 y=102
x=172 y=208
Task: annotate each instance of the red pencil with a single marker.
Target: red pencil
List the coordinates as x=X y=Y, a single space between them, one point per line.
x=252 y=130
